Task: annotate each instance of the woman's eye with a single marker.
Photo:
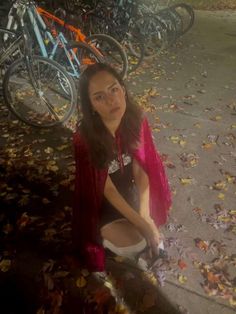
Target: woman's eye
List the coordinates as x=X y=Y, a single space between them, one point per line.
x=99 y=98
x=115 y=89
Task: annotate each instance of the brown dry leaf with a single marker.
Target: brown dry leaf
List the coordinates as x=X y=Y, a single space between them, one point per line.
x=208 y=145
x=220 y=185
x=182 y=264
x=197 y=125
x=81 y=282
x=62 y=147
x=149 y=300
x=23 y=221
x=48 y=281
x=51 y=166
x=45 y=201
x=202 y=245
x=48 y=150
x=153 y=92
x=5 y=265
x=216 y=118
x=212 y=277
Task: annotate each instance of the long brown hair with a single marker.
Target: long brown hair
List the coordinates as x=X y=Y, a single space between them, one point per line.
x=99 y=139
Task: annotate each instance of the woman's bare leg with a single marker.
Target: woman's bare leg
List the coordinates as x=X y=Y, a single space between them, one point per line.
x=121 y=233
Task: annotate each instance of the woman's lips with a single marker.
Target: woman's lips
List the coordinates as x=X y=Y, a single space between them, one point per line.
x=114 y=109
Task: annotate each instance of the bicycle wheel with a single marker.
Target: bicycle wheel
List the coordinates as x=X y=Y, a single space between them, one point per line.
x=7 y=38
x=42 y=103
x=187 y=19
x=170 y=23
x=154 y=33
x=110 y=51
x=135 y=50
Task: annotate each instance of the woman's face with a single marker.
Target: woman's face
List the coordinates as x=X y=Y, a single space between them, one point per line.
x=107 y=97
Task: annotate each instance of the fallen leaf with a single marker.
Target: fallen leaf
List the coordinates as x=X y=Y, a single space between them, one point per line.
x=186 y=181
x=202 y=245
x=182 y=264
x=182 y=279
x=5 y=265
x=81 y=282
x=221 y=196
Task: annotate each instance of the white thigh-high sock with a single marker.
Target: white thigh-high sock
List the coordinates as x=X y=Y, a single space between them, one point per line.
x=126 y=251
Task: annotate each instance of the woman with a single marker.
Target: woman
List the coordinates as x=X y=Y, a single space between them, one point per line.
x=121 y=191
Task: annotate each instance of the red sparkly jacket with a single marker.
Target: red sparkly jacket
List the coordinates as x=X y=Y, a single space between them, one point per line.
x=89 y=189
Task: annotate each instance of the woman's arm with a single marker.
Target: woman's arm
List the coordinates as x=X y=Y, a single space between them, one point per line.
x=142 y=183
x=116 y=199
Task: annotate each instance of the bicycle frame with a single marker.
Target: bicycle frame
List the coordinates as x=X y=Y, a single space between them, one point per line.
x=38 y=23
x=78 y=35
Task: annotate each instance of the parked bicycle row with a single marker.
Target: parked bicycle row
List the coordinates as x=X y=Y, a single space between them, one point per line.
x=40 y=64
x=143 y=29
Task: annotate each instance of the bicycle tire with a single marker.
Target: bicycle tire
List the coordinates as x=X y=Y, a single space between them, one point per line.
x=111 y=52
x=29 y=105
x=154 y=33
x=170 y=23
x=7 y=37
x=190 y=12
x=135 y=48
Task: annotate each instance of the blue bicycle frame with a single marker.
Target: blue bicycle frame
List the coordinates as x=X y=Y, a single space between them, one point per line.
x=38 y=23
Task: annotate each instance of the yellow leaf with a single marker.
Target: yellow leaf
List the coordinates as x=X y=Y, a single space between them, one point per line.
x=48 y=150
x=197 y=125
x=232 y=301
x=233 y=126
x=5 y=265
x=182 y=279
x=193 y=162
x=230 y=179
x=153 y=92
x=174 y=139
x=60 y=148
x=221 y=196
x=81 y=282
x=182 y=143
x=186 y=181
x=221 y=185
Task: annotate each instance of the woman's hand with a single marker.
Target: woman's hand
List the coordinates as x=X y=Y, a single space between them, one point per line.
x=152 y=237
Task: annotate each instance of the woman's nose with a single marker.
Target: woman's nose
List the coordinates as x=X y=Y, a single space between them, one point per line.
x=110 y=99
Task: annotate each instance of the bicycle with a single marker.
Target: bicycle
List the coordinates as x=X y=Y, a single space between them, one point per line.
x=54 y=45
x=106 y=47
x=32 y=85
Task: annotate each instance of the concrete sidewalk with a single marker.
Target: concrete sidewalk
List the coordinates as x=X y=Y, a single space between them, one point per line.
x=194 y=122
